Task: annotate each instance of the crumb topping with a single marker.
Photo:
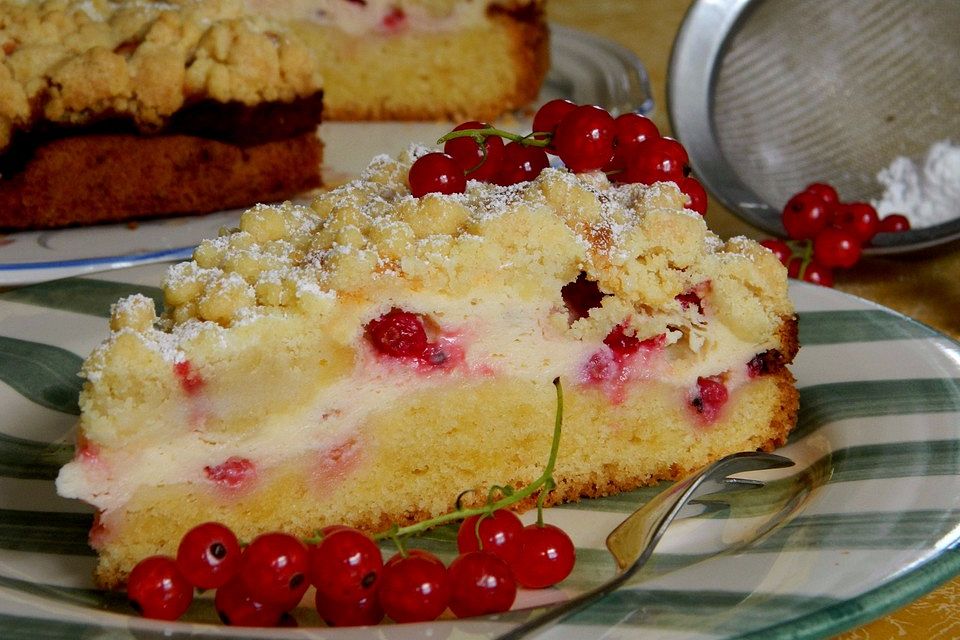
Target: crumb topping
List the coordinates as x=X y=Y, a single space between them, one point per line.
x=72 y=62
x=369 y=245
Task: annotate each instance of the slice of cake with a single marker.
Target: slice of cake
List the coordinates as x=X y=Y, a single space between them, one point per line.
x=421 y=59
x=116 y=110
x=364 y=360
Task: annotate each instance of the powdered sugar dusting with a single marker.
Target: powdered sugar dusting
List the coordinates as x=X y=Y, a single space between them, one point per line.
x=928 y=193
x=131 y=304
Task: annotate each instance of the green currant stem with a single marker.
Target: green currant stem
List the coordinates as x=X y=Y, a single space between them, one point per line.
x=545 y=481
x=807 y=258
x=394 y=534
x=481 y=134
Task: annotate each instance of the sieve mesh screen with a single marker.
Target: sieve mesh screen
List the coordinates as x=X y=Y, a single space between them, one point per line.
x=833 y=90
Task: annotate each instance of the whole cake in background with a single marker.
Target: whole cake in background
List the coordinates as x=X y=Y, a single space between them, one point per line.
x=364 y=360
x=421 y=59
x=115 y=110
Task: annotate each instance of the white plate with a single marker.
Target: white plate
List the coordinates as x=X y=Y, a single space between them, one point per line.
x=584 y=68
x=877 y=446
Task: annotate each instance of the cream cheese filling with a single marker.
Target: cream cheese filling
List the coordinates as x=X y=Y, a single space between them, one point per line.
x=503 y=337
x=371 y=16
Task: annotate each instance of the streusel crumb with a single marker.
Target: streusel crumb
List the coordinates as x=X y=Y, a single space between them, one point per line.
x=370 y=240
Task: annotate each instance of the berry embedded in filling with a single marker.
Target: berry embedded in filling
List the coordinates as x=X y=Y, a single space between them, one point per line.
x=622 y=358
x=234 y=473
x=694 y=296
x=190 y=381
x=624 y=345
x=765 y=363
x=395 y=21
x=402 y=335
x=399 y=334
x=709 y=397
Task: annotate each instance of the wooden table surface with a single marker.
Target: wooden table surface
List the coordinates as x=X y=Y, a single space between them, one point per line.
x=924 y=286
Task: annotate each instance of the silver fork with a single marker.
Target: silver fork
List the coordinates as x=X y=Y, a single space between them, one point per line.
x=634 y=540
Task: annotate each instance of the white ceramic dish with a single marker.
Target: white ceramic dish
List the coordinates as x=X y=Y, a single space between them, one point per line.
x=585 y=68
x=877 y=451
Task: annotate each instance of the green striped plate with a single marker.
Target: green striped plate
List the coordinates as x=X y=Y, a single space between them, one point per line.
x=877 y=523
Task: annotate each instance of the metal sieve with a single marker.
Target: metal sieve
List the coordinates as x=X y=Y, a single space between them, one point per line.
x=771 y=95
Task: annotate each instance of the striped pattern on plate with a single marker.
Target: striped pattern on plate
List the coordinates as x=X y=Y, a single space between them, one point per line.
x=878 y=522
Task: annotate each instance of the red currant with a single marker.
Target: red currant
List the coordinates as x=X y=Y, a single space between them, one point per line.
x=547 y=556
x=824 y=191
x=793 y=267
x=350 y=613
x=780 y=249
x=601 y=367
x=190 y=380
x=478 y=162
x=836 y=248
x=689 y=298
x=630 y=129
x=209 y=555
x=499 y=534
x=620 y=342
x=398 y=333
x=710 y=397
x=232 y=473
x=158 y=590
x=345 y=565
x=584 y=139
x=859 y=218
x=805 y=215
x=237 y=607
x=480 y=584
x=521 y=164
x=894 y=223
x=548 y=116
x=818 y=274
x=415 y=587
x=765 y=363
x=436 y=173
x=655 y=160
x=273 y=569
x=697 y=194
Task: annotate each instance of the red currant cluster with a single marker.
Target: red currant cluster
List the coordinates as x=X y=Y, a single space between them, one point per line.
x=261 y=583
x=828 y=234
x=628 y=148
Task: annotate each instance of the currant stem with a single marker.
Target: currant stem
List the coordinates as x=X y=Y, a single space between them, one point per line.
x=807 y=258
x=545 y=482
x=394 y=534
x=480 y=134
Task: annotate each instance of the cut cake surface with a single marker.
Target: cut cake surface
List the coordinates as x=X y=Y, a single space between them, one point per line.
x=421 y=59
x=259 y=399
